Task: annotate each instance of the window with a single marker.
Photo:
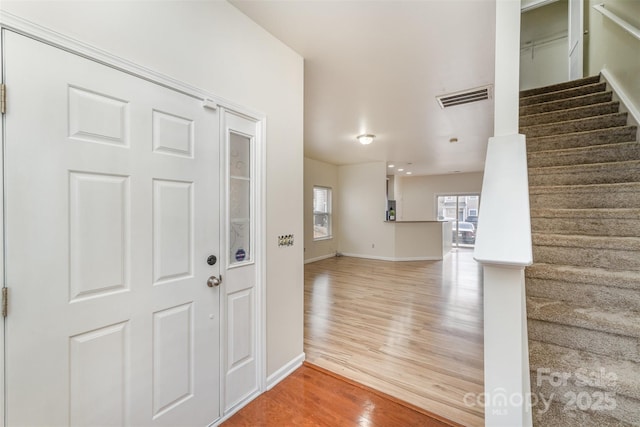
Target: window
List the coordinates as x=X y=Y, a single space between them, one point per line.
x=473 y=212
x=321 y=213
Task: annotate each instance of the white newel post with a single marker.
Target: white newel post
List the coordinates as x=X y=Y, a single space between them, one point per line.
x=503 y=244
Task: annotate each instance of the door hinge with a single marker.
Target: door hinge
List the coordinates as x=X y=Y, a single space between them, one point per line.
x=3 y=98
x=5 y=301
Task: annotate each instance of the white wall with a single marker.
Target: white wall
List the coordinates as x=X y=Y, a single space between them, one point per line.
x=609 y=46
x=325 y=175
x=546 y=63
x=417 y=194
x=211 y=45
x=361 y=206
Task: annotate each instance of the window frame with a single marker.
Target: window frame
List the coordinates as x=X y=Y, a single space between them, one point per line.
x=328 y=213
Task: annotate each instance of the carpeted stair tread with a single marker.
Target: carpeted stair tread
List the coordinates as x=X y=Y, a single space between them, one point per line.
x=585 y=155
x=570 y=114
x=563 y=104
x=587 y=275
x=601 y=343
x=563 y=94
x=578 y=125
x=583 y=214
x=560 y=86
x=592 y=318
x=621 y=377
x=582 y=139
x=593 y=173
x=599 y=295
x=620 y=253
x=594 y=242
x=620 y=195
x=590 y=222
x=547 y=415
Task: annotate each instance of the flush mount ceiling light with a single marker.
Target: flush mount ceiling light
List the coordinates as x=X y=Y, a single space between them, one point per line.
x=365 y=138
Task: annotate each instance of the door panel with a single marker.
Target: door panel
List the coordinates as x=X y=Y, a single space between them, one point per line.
x=240 y=302
x=112 y=208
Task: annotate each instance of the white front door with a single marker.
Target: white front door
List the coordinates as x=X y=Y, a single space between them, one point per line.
x=111 y=201
x=240 y=299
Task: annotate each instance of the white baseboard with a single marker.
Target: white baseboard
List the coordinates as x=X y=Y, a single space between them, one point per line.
x=419 y=258
x=319 y=258
x=634 y=110
x=237 y=407
x=285 y=371
x=384 y=258
x=273 y=379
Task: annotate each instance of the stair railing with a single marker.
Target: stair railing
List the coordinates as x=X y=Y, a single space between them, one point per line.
x=627 y=26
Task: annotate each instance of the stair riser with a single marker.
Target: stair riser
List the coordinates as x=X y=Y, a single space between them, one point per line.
x=618 y=346
x=587 y=226
x=557 y=415
x=599 y=197
x=588 y=175
x=573 y=114
x=560 y=86
x=582 y=125
x=625 y=280
x=570 y=93
x=598 y=154
x=624 y=414
x=587 y=139
x=591 y=257
x=601 y=295
x=621 y=377
x=565 y=104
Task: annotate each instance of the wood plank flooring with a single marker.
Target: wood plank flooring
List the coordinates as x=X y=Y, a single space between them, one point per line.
x=311 y=397
x=413 y=330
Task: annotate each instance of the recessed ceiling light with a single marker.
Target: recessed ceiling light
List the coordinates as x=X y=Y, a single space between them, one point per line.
x=400 y=170
x=391 y=166
x=409 y=173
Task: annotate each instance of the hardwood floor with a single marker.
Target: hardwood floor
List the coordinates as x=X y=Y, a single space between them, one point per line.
x=311 y=397
x=413 y=330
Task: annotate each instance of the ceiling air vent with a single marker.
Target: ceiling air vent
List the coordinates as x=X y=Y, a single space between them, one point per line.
x=464 y=97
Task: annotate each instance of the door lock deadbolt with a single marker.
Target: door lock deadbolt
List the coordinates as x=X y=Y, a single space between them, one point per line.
x=212 y=260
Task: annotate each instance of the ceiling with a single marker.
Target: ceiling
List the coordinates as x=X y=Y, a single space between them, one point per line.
x=376 y=66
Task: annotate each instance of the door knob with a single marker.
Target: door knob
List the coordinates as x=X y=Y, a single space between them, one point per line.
x=214 y=281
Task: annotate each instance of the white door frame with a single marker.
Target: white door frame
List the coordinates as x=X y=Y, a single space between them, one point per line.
x=576 y=39
x=9 y=21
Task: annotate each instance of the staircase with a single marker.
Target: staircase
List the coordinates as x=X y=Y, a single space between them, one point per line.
x=583 y=290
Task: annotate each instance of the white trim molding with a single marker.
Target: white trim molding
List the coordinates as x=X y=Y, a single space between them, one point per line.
x=285 y=371
x=387 y=258
x=319 y=258
x=15 y=23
